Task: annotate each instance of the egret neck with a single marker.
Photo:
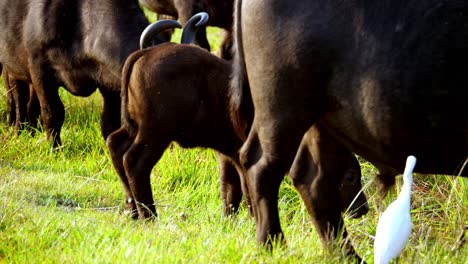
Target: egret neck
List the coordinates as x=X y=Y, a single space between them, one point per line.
x=405 y=195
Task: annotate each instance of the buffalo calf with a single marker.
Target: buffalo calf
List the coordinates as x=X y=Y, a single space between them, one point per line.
x=171 y=92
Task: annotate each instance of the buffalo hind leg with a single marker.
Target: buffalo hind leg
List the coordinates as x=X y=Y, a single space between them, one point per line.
x=118 y=143
x=231 y=190
x=21 y=97
x=11 y=106
x=225 y=49
x=317 y=174
x=138 y=162
x=17 y=94
x=52 y=109
x=110 y=115
x=264 y=175
x=34 y=109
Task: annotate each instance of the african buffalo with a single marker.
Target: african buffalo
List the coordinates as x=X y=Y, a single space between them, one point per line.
x=181 y=93
x=220 y=12
x=386 y=79
x=80 y=45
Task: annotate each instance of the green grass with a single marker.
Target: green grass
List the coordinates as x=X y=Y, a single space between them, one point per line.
x=66 y=207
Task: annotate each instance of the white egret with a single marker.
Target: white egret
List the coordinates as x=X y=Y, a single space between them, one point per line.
x=394 y=227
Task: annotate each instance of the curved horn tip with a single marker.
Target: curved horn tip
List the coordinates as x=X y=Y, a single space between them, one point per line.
x=203 y=18
x=191 y=28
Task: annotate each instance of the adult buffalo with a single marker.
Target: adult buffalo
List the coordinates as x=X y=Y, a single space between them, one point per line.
x=385 y=79
x=80 y=45
x=220 y=12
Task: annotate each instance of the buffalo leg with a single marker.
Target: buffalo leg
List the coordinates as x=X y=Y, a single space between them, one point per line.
x=21 y=98
x=17 y=94
x=274 y=138
x=23 y=104
x=318 y=173
x=138 y=162
x=110 y=115
x=11 y=106
x=118 y=143
x=226 y=46
x=264 y=175
x=245 y=190
x=352 y=198
x=52 y=113
x=52 y=109
x=34 y=110
x=231 y=189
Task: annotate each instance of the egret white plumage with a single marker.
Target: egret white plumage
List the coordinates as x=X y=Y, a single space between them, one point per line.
x=394 y=227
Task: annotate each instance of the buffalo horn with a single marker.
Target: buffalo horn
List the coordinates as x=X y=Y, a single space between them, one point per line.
x=191 y=28
x=152 y=30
